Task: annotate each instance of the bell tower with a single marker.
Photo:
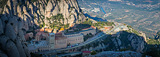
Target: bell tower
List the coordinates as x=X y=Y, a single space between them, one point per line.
x=51 y=40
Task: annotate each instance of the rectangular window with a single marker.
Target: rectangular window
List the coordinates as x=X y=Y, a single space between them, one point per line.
x=52 y=35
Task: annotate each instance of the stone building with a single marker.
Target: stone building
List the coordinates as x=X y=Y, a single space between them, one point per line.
x=75 y=39
x=28 y=35
x=40 y=46
x=41 y=36
x=51 y=40
x=60 y=41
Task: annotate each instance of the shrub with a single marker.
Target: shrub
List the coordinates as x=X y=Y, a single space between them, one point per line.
x=158 y=33
x=129 y=26
x=124 y=49
x=93 y=52
x=2 y=3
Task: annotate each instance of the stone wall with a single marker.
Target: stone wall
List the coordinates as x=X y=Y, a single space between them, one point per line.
x=75 y=39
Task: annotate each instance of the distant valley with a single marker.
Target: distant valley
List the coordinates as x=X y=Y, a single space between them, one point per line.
x=143 y=16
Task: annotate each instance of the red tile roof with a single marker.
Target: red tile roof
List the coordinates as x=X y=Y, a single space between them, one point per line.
x=48 y=30
x=109 y=27
x=86 y=28
x=93 y=27
x=86 y=51
x=26 y=36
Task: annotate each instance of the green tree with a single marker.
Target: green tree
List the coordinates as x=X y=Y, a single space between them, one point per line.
x=158 y=33
x=93 y=52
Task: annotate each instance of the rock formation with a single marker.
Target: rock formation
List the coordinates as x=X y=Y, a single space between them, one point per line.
x=19 y=16
x=118 y=42
x=118 y=54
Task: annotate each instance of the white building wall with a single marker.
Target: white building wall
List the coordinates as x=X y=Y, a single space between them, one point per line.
x=75 y=39
x=93 y=32
x=51 y=40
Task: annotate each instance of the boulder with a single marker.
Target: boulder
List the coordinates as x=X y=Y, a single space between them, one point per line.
x=118 y=54
x=21 y=35
x=1 y=27
x=14 y=23
x=3 y=40
x=10 y=32
x=12 y=50
x=2 y=54
x=20 y=48
x=4 y=20
x=9 y=46
x=26 y=50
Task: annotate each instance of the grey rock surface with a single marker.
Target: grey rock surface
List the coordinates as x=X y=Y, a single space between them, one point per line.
x=2 y=54
x=18 y=17
x=10 y=32
x=1 y=27
x=118 y=54
x=9 y=46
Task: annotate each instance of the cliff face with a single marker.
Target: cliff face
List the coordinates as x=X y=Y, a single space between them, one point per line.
x=121 y=41
x=118 y=54
x=19 y=16
x=38 y=12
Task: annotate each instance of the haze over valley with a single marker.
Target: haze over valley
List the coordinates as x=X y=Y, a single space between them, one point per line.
x=142 y=15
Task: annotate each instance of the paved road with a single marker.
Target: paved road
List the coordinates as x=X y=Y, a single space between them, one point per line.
x=98 y=36
x=69 y=54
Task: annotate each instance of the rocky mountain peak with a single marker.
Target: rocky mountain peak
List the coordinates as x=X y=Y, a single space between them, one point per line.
x=19 y=16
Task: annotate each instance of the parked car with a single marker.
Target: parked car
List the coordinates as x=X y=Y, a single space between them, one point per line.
x=69 y=46
x=77 y=44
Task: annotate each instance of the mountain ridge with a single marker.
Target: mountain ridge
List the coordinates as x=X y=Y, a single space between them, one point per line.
x=19 y=16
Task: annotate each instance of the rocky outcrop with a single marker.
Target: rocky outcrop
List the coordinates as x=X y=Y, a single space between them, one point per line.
x=118 y=54
x=19 y=16
x=9 y=46
x=10 y=32
x=11 y=42
x=44 y=9
x=121 y=41
x=68 y=8
x=1 y=27
x=2 y=54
